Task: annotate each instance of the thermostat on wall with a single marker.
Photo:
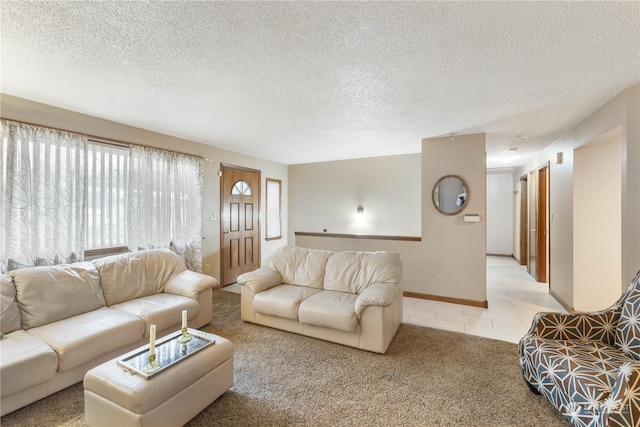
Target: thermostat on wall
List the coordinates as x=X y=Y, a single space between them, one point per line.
x=471 y=217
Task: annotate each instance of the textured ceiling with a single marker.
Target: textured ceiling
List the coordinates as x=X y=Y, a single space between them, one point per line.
x=299 y=82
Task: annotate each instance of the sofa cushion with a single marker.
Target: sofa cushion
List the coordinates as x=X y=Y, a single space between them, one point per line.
x=162 y=310
x=628 y=330
x=85 y=337
x=137 y=274
x=330 y=309
x=300 y=266
x=26 y=361
x=9 y=311
x=282 y=301
x=70 y=289
x=355 y=271
x=584 y=371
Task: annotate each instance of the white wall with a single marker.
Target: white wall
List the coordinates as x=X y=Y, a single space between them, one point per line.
x=597 y=223
x=500 y=213
x=18 y=109
x=623 y=111
x=325 y=196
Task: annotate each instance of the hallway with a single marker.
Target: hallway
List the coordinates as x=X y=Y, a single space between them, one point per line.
x=513 y=297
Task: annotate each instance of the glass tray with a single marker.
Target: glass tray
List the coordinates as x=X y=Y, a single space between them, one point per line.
x=168 y=352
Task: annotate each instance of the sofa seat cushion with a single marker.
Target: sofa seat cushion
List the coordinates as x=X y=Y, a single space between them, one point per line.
x=282 y=300
x=162 y=310
x=26 y=362
x=584 y=371
x=330 y=309
x=82 y=338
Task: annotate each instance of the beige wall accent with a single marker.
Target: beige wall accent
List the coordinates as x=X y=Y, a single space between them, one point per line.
x=623 y=111
x=19 y=109
x=453 y=260
x=597 y=204
x=325 y=196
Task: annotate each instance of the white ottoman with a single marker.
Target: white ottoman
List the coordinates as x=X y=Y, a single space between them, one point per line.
x=115 y=397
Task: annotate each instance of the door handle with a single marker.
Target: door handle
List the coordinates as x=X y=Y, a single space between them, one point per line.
x=226 y=232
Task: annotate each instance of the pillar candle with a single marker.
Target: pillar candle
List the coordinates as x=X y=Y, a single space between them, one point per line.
x=152 y=340
x=184 y=318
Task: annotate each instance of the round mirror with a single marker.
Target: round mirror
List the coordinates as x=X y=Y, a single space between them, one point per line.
x=450 y=194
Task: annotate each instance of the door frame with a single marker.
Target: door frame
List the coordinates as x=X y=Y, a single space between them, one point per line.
x=524 y=224
x=538 y=207
x=224 y=166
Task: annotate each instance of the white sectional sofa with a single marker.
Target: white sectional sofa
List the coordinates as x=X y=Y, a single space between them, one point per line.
x=351 y=298
x=60 y=321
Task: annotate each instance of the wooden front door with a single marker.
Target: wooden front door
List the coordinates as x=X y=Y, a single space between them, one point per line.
x=239 y=222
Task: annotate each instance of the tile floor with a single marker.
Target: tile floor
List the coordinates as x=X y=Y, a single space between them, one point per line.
x=513 y=297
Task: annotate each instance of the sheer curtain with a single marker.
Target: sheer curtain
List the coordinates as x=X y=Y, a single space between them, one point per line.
x=43 y=173
x=165 y=203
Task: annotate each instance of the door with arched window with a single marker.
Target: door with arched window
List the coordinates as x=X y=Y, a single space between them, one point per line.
x=239 y=225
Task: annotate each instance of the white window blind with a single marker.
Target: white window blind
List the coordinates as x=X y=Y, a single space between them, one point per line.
x=107 y=196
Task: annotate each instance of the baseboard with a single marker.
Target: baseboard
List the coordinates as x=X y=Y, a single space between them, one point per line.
x=502 y=255
x=461 y=301
x=561 y=302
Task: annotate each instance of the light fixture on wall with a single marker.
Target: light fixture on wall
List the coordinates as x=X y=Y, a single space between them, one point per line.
x=559 y=158
x=360 y=210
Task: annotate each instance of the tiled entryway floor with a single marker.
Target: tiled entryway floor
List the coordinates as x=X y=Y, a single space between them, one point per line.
x=513 y=296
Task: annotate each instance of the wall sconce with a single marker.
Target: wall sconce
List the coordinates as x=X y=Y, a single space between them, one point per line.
x=360 y=210
x=559 y=158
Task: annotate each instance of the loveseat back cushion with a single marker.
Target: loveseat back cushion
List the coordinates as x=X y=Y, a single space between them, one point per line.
x=50 y=293
x=137 y=274
x=9 y=310
x=300 y=266
x=628 y=330
x=353 y=272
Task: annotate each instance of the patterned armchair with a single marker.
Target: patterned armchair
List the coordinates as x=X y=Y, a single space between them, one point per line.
x=588 y=364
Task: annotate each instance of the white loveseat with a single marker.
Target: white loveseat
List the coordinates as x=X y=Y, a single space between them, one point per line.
x=351 y=298
x=60 y=321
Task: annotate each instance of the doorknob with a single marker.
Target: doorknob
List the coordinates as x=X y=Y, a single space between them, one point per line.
x=225 y=232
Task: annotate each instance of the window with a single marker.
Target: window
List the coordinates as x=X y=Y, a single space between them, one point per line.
x=107 y=196
x=274 y=205
x=241 y=188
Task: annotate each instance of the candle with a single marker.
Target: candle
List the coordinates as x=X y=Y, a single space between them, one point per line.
x=152 y=340
x=184 y=318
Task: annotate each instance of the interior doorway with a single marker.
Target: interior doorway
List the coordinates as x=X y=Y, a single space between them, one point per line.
x=239 y=222
x=538 y=224
x=524 y=225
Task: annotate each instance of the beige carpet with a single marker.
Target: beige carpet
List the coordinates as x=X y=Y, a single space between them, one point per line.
x=427 y=378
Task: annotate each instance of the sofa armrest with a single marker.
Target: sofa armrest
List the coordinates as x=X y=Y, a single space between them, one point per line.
x=190 y=284
x=379 y=294
x=621 y=408
x=595 y=326
x=260 y=280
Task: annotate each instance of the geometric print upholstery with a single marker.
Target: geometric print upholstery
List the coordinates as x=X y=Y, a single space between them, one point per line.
x=628 y=331
x=587 y=365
